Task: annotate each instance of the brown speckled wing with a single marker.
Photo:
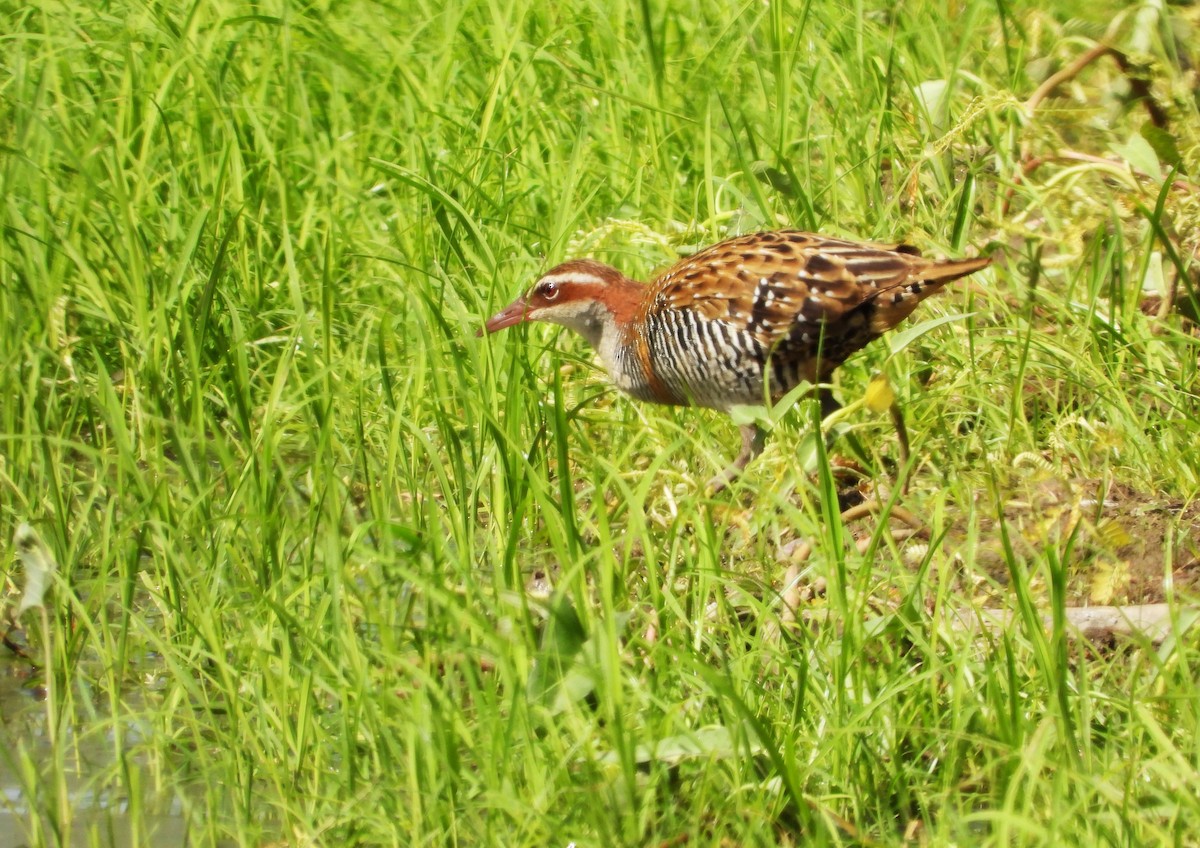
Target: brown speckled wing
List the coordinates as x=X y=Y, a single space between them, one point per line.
x=768 y=284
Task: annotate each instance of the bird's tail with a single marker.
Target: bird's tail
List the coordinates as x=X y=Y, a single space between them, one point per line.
x=891 y=306
x=952 y=269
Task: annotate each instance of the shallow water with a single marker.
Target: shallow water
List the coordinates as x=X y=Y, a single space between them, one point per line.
x=103 y=818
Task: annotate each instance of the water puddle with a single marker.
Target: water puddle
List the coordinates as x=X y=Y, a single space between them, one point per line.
x=92 y=817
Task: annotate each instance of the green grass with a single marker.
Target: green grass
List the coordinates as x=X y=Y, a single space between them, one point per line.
x=297 y=504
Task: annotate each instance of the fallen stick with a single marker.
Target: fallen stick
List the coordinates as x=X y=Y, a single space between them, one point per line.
x=1095 y=624
x=1152 y=622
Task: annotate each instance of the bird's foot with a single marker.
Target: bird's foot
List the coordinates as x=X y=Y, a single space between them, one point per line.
x=753 y=439
x=719 y=482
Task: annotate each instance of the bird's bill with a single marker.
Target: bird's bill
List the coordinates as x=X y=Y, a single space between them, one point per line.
x=514 y=313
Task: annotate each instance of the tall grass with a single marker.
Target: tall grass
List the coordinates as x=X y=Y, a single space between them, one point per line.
x=335 y=571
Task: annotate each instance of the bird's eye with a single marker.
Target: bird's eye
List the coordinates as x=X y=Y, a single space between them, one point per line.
x=548 y=291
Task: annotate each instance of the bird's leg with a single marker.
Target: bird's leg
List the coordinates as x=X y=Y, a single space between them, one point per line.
x=753 y=440
x=902 y=438
x=829 y=403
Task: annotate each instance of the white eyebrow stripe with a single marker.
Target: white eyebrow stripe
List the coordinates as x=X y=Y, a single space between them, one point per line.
x=571 y=277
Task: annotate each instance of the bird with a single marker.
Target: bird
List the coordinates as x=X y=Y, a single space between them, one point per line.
x=741 y=321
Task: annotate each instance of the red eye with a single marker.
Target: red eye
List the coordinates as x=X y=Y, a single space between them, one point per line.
x=548 y=291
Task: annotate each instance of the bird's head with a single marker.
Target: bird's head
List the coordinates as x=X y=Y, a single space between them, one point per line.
x=582 y=295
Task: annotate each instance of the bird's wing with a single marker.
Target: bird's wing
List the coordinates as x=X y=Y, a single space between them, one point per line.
x=777 y=284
